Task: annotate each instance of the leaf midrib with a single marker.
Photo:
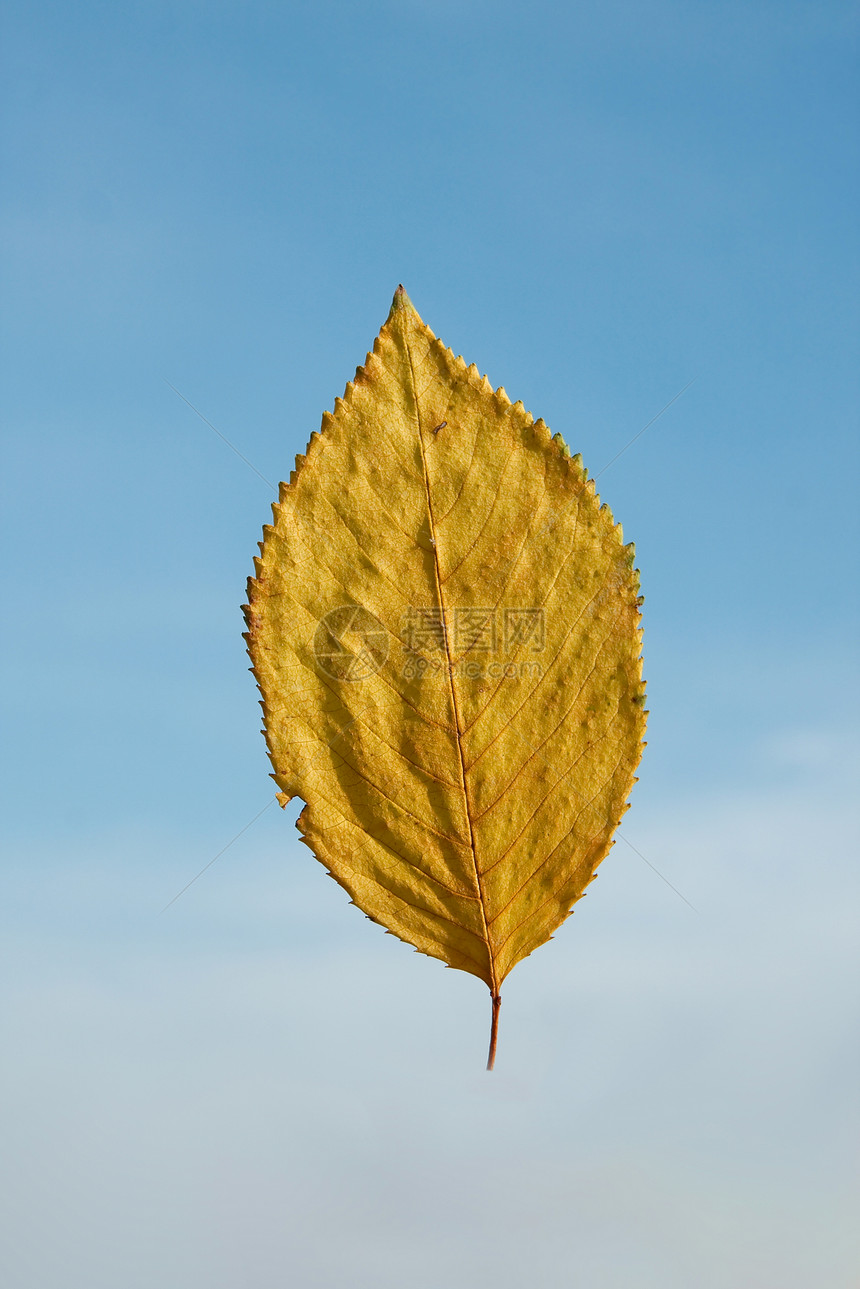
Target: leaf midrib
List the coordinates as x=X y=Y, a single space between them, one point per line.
x=494 y=984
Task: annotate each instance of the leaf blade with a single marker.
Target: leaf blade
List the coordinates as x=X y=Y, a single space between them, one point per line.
x=464 y=809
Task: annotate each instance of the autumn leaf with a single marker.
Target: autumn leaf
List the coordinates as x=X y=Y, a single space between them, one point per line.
x=444 y=626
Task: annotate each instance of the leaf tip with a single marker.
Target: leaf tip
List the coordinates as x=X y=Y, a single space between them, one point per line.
x=401 y=301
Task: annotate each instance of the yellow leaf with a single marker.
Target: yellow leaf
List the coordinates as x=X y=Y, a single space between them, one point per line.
x=444 y=626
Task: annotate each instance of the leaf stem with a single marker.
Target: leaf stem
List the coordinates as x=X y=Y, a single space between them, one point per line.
x=494 y=1030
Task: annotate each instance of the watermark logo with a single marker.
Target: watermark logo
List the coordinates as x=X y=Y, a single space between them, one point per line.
x=474 y=631
x=474 y=643
x=469 y=668
x=350 y=643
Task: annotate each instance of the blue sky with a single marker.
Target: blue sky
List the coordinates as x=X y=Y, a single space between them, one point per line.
x=597 y=205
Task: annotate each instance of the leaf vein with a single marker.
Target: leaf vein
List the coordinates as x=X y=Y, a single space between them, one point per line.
x=588 y=747
x=555 y=893
x=487 y=519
